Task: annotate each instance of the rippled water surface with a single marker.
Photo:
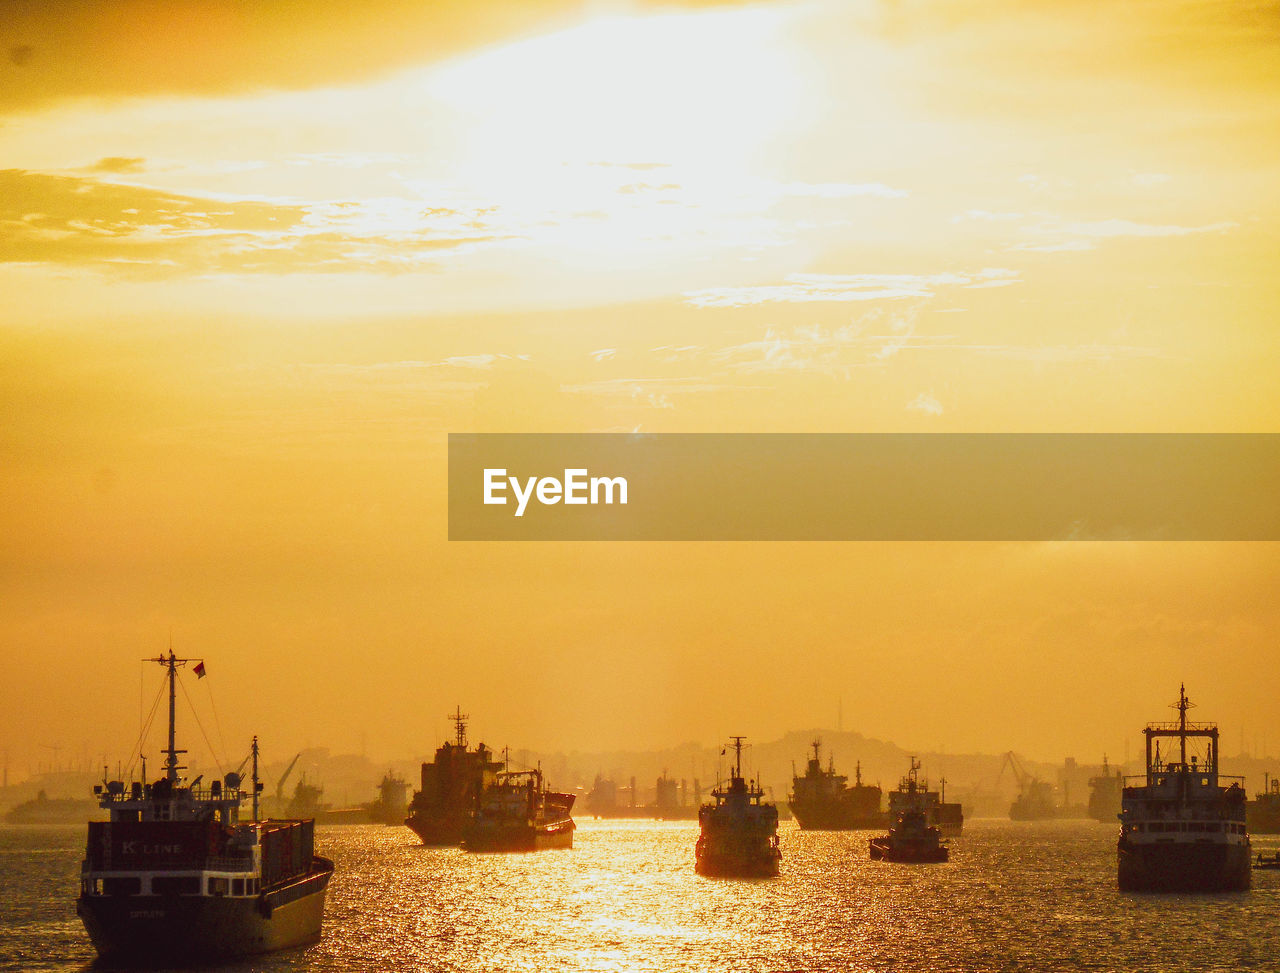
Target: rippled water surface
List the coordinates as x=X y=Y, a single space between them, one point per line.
x=1014 y=897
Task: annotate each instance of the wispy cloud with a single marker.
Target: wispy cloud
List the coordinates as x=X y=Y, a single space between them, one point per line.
x=133 y=230
x=1055 y=236
x=925 y=402
x=804 y=288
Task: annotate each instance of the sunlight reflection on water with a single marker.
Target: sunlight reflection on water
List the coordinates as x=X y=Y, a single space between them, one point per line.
x=1014 y=896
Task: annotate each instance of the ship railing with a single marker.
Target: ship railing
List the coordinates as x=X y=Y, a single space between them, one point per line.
x=148 y=793
x=228 y=864
x=1140 y=780
x=1176 y=727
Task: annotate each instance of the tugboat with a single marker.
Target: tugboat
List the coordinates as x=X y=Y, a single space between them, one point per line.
x=1263 y=812
x=1181 y=829
x=175 y=876
x=912 y=838
x=451 y=787
x=739 y=831
x=912 y=792
x=518 y=813
x=822 y=800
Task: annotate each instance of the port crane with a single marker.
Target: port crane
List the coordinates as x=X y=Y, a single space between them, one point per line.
x=285 y=776
x=1035 y=797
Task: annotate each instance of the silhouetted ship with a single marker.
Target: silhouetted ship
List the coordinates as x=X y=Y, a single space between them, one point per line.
x=671 y=800
x=1104 y=793
x=1181 y=829
x=822 y=800
x=1263 y=812
x=451 y=787
x=306 y=802
x=946 y=817
x=912 y=839
x=739 y=832
x=43 y=809
x=175 y=876
x=1035 y=796
x=392 y=804
x=518 y=813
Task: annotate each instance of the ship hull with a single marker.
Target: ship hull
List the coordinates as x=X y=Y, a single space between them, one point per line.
x=835 y=818
x=1183 y=867
x=202 y=928
x=735 y=866
x=438 y=832
x=882 y=849
x=1263 y=818
x=520 y=838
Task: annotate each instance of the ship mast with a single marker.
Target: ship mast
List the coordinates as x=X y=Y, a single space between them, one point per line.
x=171 y=664
x=1182 y=705
x=256 y=787
x=737 y=749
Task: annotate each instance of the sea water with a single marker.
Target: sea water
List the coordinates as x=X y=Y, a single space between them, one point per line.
x=1015 y=896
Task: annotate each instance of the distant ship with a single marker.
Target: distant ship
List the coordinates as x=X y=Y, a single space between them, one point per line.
x=671 y=800
x=1181 y=829
x=451 y=787
x=946 y=817
x=1104 y=793
x=518 y=813
x=306 y=800
x=911 y=838
x=176 y=877
x=822 y=800
x=43 y=809
x=1263 y=812
x=1035 y=796
x=393 y=800
x=739 y=832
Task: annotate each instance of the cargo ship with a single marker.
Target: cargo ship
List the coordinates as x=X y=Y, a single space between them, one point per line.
x=451 y=786
x=1182 y=829
x=174 y=876
x=739 y=831
x=946 y=817
x=822 y=800
x=518 y=813
x=1104 y=793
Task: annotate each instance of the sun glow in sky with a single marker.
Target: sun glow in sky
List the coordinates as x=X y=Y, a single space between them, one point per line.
x=257 y=262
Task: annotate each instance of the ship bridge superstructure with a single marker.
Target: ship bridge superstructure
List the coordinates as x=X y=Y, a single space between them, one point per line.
x=1182 y=822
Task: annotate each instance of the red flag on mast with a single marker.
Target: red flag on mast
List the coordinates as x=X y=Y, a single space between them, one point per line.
x=199 y=670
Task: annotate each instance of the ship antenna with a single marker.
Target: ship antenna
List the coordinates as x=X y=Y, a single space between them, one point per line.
x=459 y=727
x=254 y=750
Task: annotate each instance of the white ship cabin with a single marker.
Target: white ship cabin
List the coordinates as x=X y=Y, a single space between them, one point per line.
x=171 y=839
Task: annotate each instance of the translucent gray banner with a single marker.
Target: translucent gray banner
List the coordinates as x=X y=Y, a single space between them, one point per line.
x=850 y=487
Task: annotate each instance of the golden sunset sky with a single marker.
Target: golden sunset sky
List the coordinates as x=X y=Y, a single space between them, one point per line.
x=257 y=260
